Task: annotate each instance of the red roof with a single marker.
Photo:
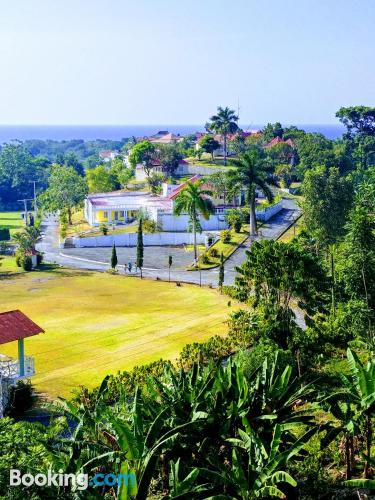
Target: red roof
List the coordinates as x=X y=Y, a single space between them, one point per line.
x=14 y=325
x=174 y=193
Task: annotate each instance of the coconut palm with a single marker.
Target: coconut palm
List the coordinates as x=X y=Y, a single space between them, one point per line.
x=27 y=239
x=224 y=123
x=253 y=172
x=194 y=200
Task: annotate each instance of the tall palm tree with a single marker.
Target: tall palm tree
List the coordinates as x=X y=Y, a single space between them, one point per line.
x=224 y=123
x=253 y=173
x=193 y=199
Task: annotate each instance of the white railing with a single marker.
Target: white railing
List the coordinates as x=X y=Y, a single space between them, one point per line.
x=10 y=367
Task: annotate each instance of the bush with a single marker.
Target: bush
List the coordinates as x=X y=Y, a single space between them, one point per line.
x=63 y=229
x=39 y=258
x=104 y=229
x=27 y=263
x=204 y=259
x=225 y=236
x=150 y=226
x=4 y=234
x=19 y=259
x=235 y=218
x=213 y=252
x=21 y=398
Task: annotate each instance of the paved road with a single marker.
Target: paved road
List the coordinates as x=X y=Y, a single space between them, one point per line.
x=88 y=260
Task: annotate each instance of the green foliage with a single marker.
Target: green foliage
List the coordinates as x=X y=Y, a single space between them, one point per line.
x=225 y=122
x=140 y=249
x=143 y=152
x=114 y=260
x=272 y=130
x=101 y=180
x=4 y=234
x=151 y=226
x=194 y=201
x=21 y=398
x=253 y=172
x=221 y=271
x=154 y=181
x=27 y=264
x=225 y=236
x=209 y=144
x=66 y=190
x=235 y=219
x=327 y=200
x=104 y=229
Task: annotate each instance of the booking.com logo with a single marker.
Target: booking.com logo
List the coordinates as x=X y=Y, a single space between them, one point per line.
x=77 y=481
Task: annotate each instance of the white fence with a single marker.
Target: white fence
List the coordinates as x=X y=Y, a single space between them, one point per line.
x=130 y=240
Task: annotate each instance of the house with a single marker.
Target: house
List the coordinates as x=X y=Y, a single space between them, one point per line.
x=122 y=207
x=167 y=138
x=278 y=140
x=108 y=155
x=15 y=326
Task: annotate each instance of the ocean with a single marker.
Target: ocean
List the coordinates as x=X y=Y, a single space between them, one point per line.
x=117 y=132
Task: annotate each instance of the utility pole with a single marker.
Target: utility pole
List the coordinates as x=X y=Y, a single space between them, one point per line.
x=35 y=205
x=25 y=200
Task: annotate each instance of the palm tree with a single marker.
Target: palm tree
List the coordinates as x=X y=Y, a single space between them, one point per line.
x=27 y=238
x=253 y=173
x=224 y=123
x=193 y=199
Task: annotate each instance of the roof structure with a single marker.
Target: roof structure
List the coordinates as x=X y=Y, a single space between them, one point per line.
x=15 y=325
x=278 y=140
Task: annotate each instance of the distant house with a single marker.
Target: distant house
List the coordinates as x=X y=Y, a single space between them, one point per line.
x=15 y=326
x=278 y=140
x=108 y=155
x=167 y=138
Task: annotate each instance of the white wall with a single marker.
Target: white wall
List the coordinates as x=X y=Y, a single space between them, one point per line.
x=169 y=222
x=269 y=212
x=130 y=240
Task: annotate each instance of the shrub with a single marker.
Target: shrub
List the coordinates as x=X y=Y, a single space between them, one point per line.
x=27 y=263
x=4 y=234
x=225 y=236
x=204 y=258
x=63 y=229
x=21 y=398
x=19 y=259
x=213 y=252
x=150 y=226
x=39 y=258
x=104 y=229
x=235 y=219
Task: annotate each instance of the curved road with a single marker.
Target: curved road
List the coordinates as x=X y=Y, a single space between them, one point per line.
x=271 y=230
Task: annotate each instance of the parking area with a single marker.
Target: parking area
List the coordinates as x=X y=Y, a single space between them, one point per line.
x=154 y=257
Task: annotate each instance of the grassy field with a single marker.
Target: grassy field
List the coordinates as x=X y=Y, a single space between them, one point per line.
x=12 y=221
x=96 y=323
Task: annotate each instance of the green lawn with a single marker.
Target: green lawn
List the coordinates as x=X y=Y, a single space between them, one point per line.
x=96 y=323
x=293 y=231
x=12 y=221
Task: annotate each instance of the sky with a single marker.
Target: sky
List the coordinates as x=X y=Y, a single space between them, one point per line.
x=173 y=62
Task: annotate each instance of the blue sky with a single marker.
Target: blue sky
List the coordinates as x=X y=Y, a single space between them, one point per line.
x=169 y=61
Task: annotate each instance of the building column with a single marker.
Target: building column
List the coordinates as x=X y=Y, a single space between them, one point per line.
x=21 y=357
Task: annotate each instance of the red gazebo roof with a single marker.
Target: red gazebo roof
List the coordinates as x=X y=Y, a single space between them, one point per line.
x=14 y=325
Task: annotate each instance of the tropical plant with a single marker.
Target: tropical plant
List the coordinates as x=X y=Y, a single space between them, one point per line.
x=224 y=123
x=114 y=260
x=140 y=249
x=194 y=200
x=252 y=173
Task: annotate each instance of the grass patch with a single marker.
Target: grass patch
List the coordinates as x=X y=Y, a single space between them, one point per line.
x=293 y=231
x=12 y=221
x=96 y=323
x=225 y=248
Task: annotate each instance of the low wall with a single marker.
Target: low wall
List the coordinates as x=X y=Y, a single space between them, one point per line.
x=267 y=213
x=169 y=222
x=130 y=240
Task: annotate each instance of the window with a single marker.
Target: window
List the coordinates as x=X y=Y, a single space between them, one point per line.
x=105 y=215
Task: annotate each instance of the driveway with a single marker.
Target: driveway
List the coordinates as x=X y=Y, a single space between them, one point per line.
x=156 y=258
